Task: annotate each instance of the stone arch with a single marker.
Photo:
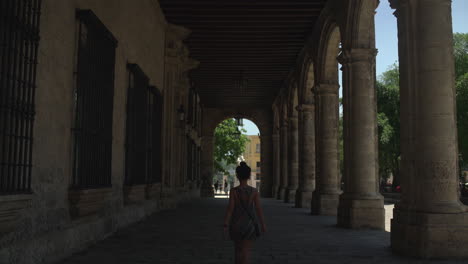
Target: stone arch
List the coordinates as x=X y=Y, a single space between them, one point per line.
x=305 y=74
x=358 y=24
x=293 y=100
x=262 y=117
x=329 y=49
x=276 y=118
x=308 y=84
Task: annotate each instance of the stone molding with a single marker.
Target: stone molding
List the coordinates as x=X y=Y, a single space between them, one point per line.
x=11 y=207
x=327 y=88
x=357 y=55
x=306 y=108
x=134 y=193
x=153 y=191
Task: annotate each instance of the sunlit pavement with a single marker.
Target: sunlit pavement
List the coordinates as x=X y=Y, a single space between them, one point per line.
x=193 y=234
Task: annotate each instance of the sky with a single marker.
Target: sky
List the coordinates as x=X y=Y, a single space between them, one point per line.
x=387 y=41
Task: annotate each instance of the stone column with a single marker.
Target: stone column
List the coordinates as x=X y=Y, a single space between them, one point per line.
x=266 y=163
x=276 y=163
x=431 y=215
x=293 y=160
x=307 y=164
x=284 y=160
x=361 y=205
x=207 y=163
x=326 y=193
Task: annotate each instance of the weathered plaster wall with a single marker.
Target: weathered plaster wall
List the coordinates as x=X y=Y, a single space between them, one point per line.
x=45 y=231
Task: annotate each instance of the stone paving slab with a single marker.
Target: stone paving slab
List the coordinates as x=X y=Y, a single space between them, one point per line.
x=193 y=234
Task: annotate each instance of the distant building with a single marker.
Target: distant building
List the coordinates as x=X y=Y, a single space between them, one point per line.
x=252 y=157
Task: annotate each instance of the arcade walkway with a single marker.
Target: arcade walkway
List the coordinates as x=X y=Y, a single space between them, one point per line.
x=192 y=234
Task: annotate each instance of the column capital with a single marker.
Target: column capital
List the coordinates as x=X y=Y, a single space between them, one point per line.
x=305 y=108
x=327 y=88
x=349 y=56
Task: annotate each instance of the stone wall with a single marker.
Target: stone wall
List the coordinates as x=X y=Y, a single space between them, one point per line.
x=44 y=230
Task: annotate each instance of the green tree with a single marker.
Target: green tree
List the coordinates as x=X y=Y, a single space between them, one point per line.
x=228 y=148
x=388 y=121
x=460 y=41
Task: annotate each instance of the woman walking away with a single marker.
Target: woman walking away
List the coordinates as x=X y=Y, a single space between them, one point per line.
x=241 y=215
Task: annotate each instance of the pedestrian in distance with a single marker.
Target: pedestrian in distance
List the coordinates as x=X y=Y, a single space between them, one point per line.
x=244 y=220
x=225 y=187
x=216 y=185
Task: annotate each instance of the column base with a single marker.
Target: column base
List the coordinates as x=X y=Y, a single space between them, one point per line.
x=303 y=199
x=290 y=196
x=206 y=192
x=324 y=204
x=281 y=193
x=429 y=235
x=361 y=212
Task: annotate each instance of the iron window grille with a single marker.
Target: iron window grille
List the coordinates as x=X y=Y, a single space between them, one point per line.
x=19 y=41
x=136 y=136
x=93 y=103
x=144 y=130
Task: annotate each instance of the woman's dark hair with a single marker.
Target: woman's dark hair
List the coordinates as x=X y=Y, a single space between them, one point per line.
x=243 y=171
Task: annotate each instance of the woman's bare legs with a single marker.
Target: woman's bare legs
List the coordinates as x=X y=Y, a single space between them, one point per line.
x=242 y=251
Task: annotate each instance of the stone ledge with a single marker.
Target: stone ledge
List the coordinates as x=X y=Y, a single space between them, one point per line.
x=11 y=207
x=153 y=191
x=134 y=193
x=88 y=202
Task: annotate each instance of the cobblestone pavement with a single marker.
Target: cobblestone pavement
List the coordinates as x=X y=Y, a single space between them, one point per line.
x=193 y=234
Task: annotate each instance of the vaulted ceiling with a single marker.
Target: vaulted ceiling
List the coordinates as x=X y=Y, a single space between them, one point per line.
x=246 y=48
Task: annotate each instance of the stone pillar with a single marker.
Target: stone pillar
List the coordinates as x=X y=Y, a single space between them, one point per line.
x=361 y=205
x=207 y=163
x=266 y=163
x=276 y=163
x=430 y=222
x=284 y=160
x=293 y=160
x=307 y=164
x=326 y=193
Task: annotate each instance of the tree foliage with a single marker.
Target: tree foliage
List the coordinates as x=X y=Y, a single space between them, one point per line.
x=460 y=42
x=388 y=121
x=227 y=146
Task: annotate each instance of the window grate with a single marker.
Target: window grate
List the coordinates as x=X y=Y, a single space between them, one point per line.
x=93 y=103
x=154 y=125
x=143 y=138
x=19 y=41
x=137 y=127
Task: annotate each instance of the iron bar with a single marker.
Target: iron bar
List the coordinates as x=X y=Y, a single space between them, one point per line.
x=94 y=96
x=19 y=39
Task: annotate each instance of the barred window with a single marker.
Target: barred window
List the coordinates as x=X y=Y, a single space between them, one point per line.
x=136 y=136
x=93 y=103
x=19 y=40
x=143 y=138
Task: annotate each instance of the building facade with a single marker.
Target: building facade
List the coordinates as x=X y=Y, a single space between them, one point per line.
x=251 y=156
